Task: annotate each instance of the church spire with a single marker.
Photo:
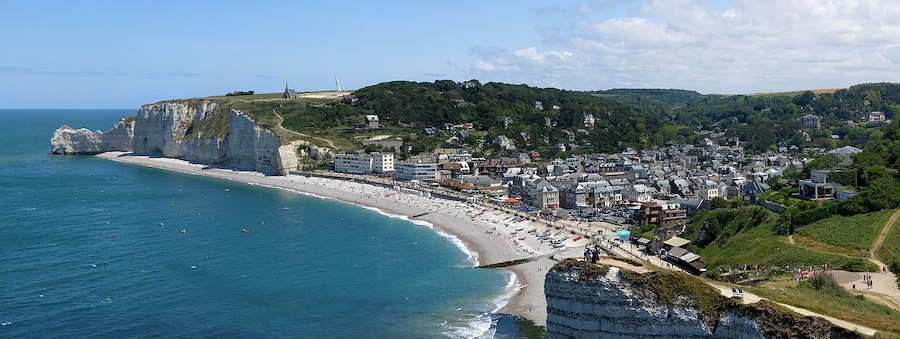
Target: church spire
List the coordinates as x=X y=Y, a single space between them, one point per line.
x=285 y=86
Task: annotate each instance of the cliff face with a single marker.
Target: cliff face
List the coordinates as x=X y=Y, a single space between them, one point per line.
x=197 y=132
x=67 y=140
x=606 y=302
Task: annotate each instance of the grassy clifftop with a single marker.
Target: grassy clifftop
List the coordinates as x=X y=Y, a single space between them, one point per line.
x=676 y=288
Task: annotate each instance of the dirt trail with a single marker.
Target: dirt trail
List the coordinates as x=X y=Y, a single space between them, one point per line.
x=281 y=121
x=750 y=298
x=884 y=232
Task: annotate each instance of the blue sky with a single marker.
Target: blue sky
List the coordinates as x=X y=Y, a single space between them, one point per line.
x=120 y=54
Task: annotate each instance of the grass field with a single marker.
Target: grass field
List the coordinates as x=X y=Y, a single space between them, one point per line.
x=889 y=253
x=795 y=93
x=746 y=236
x=846 y=235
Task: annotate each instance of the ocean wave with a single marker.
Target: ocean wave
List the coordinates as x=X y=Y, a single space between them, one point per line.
x=484 y=325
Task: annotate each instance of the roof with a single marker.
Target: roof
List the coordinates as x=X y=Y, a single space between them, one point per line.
x=677 y=252
x=643 y=241
x=689 y=256
x=846 y=150
x=754 y=187
x=677 y=242
x=371 y=118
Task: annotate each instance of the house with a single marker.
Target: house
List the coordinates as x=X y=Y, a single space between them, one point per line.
x=640 y=193
x=661 y=214
x=456 y=169
x=429 y=131
x=574 y=196
x=818 y=186
x=811 y=121
x=459 y=137
x=289 y=93
x=604 y=196
x=541 y=194
x=372 y=121
x=753 y=190
x=504 y=142
x=588 y=119
x=876 y=116
x=708 y=190
x=504 y=122
x=539 y=105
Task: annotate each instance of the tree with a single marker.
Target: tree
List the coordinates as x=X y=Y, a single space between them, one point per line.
x=718 y=202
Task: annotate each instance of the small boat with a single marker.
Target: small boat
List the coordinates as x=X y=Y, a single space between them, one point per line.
x=245 y=230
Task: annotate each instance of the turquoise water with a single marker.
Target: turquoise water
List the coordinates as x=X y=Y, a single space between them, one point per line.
x=94 y=247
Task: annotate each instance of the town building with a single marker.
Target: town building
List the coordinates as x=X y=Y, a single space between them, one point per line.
x=364 y=163
x=876 y=116
x=372 y=122
x=811 y=121
x=818 y=186
x=421 y=169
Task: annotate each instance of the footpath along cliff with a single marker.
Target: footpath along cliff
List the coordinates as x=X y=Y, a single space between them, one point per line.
x=594 y=301
x=192 y=130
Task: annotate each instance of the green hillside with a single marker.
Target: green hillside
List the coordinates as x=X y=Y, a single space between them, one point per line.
x=753 y=236
x=852 y=235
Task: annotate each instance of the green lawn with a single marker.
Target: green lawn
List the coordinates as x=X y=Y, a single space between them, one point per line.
x=852 y=235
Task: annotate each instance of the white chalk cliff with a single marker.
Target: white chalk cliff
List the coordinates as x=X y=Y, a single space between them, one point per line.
x=607 y=304
x=189 y=130
x=67 y=140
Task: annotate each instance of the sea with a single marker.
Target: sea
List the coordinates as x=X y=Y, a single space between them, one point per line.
x=97 y=248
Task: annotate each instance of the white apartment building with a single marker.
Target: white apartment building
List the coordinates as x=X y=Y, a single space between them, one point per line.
x=415 y=170
x=364 y=163
x=382 y=162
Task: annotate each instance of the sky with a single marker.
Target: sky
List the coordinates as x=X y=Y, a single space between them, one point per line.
x=121 y=54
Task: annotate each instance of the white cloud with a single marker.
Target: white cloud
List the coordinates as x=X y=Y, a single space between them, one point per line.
x=743 y=46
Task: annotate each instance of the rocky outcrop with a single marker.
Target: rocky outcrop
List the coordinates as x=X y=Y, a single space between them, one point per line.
x=196 y=131
x=67 y=140
x=592 y=301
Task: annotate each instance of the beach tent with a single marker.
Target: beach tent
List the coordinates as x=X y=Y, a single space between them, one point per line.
x=623 y=235
x=512 y=200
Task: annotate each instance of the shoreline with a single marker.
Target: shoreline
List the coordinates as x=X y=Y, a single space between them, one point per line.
x=485 y=235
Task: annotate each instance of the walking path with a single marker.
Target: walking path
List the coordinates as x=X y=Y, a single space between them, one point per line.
x=884 y=232
x=304 y=135
x=750 y=298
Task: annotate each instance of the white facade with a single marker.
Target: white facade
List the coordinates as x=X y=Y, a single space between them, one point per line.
x=404 y=170
x=364 y=163
x=382 y=162
x=353 y=163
